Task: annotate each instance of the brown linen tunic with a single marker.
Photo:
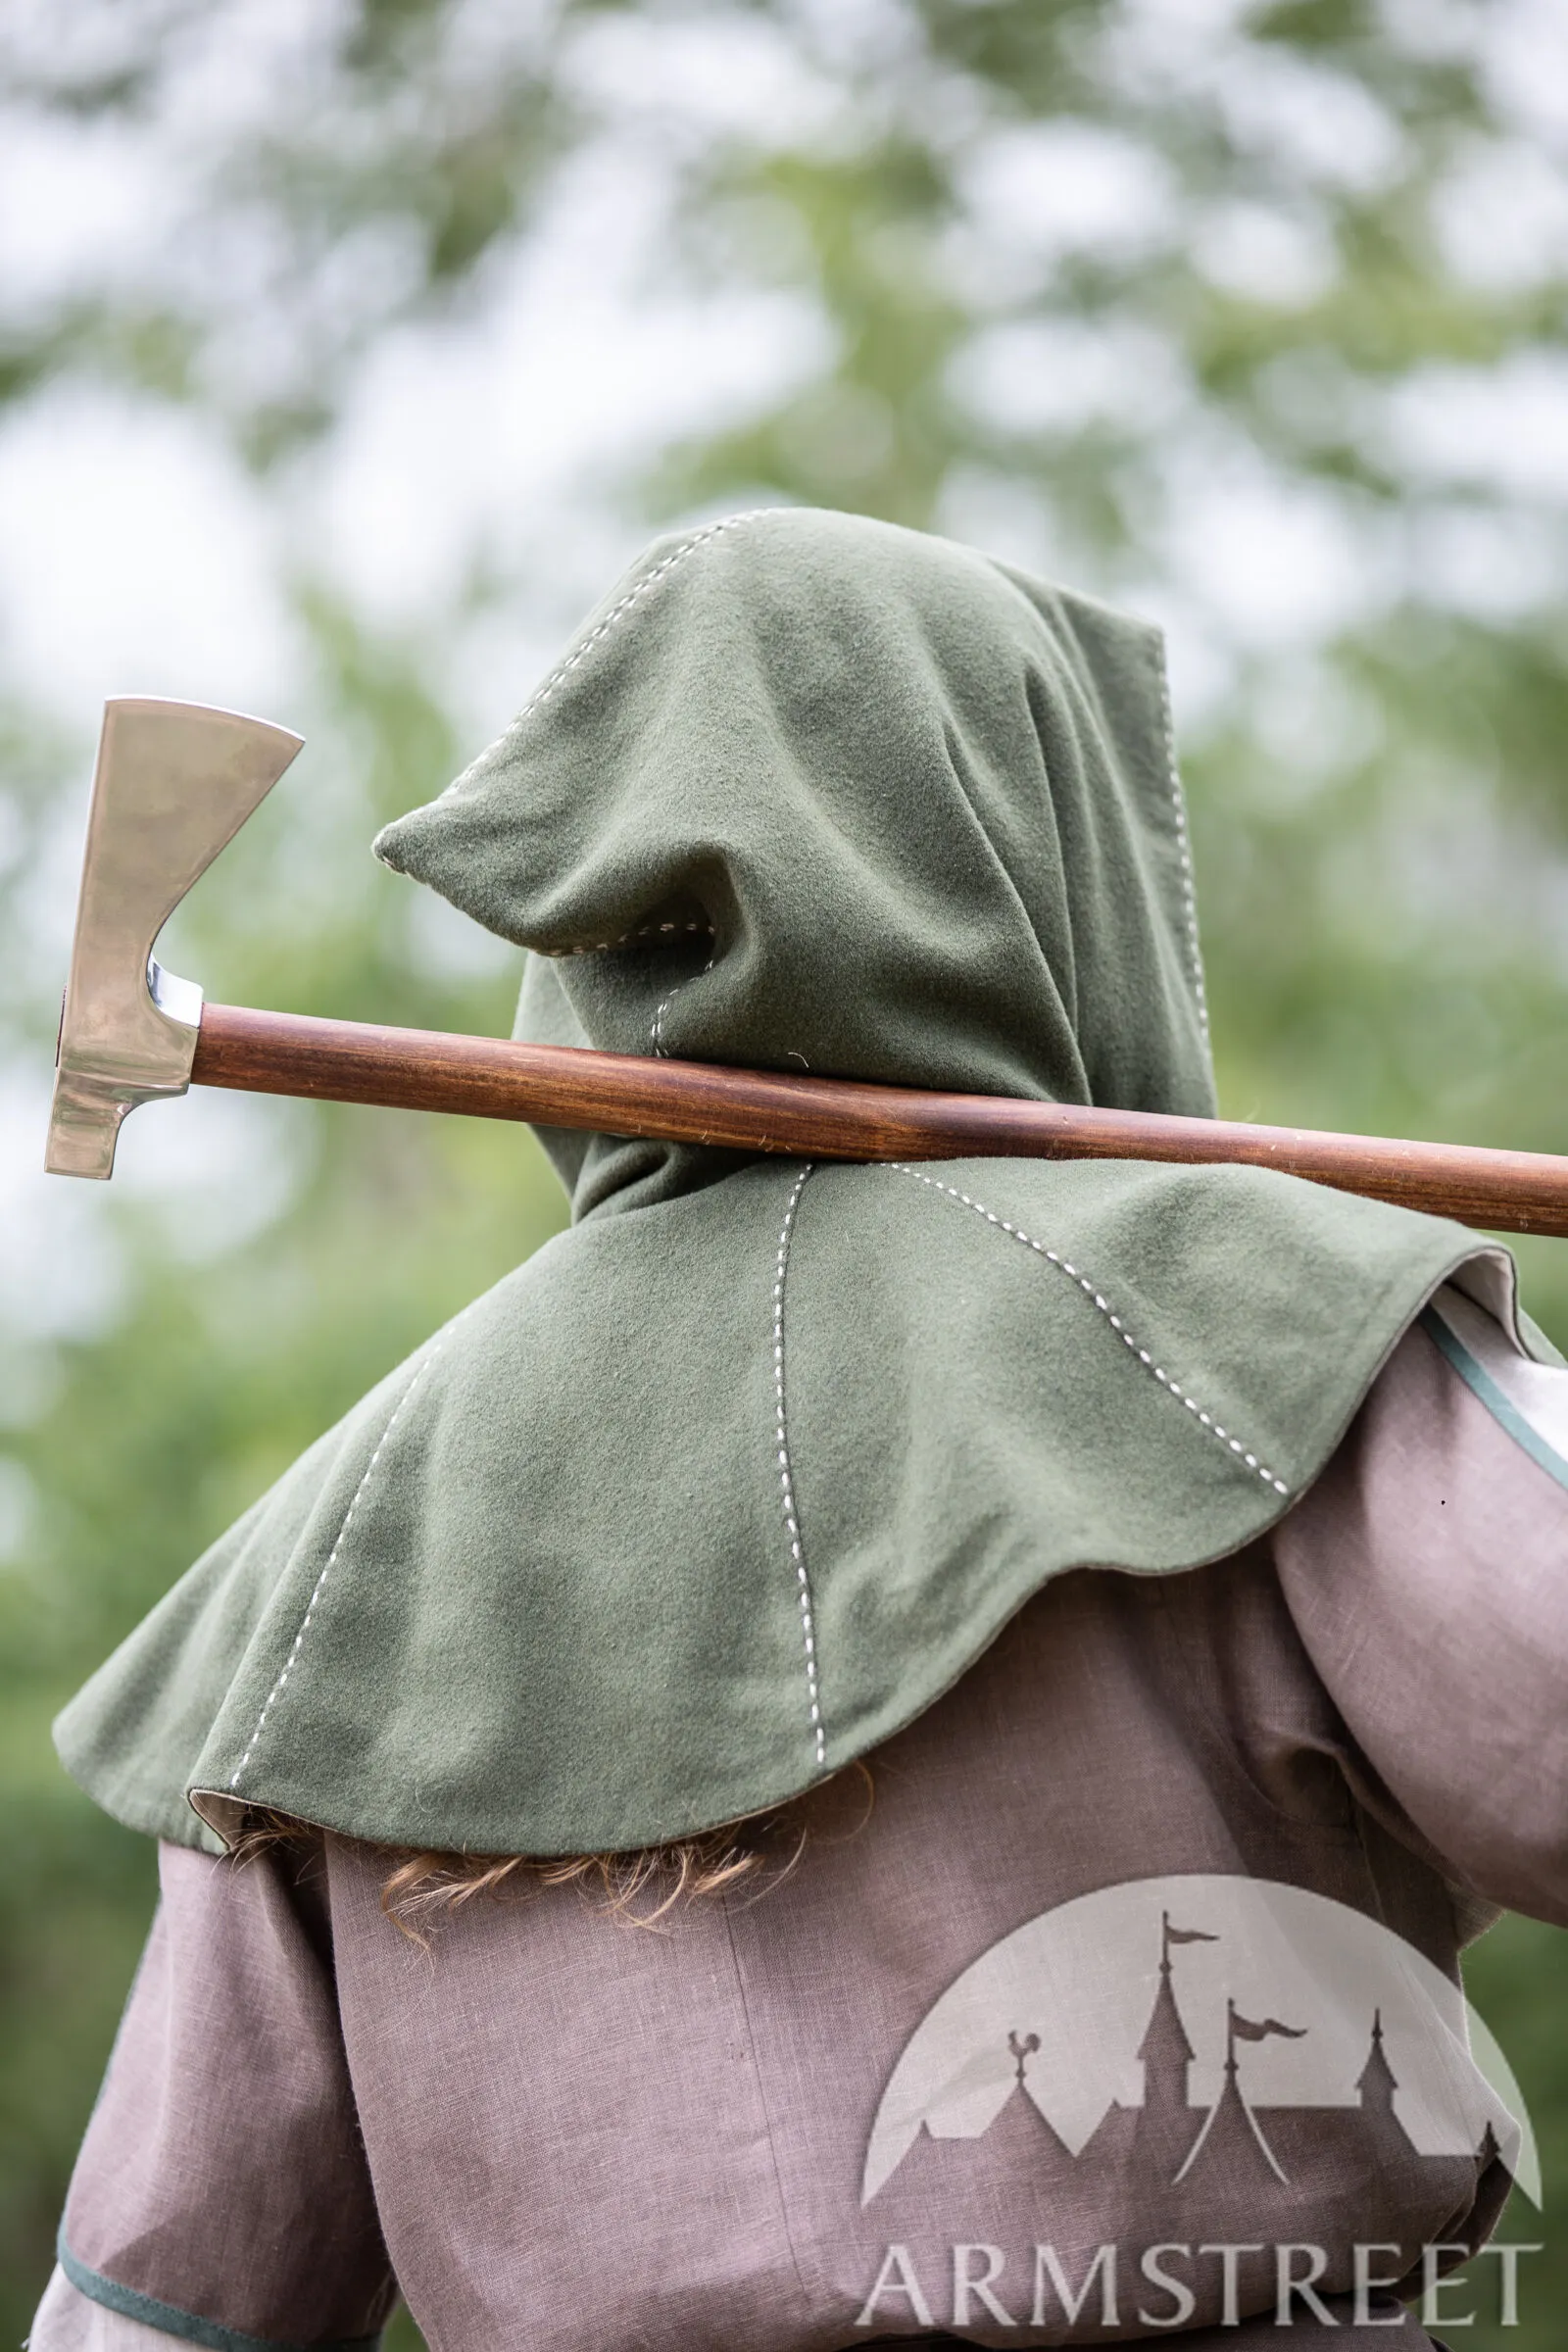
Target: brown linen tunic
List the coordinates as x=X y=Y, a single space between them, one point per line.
x=556 y=2128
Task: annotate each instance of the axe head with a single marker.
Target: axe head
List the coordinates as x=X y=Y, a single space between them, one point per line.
x=175 y=782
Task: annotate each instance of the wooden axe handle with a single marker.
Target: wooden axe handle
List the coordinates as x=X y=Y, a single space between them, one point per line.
x=836 y=1118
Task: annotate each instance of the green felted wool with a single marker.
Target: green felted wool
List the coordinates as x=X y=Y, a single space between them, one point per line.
x=735 y=1477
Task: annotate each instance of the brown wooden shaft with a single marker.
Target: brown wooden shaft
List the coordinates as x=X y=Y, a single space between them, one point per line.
x=836 y=1118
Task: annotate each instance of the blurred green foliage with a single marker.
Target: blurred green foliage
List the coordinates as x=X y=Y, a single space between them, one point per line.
x=1101 y=276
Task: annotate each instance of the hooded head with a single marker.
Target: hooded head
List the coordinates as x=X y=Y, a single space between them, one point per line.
x=610 y=1561
x=812 y=792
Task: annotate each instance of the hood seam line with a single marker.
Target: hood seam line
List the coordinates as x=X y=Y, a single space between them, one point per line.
x=786 y=1474
x=1184 y=847
x=1167 y=1380
x=287 y=1667
x=562 y=669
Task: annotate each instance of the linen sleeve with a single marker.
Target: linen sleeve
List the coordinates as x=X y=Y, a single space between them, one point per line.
x=67 y=2321
x=1427 y=1572
x=221 y=2193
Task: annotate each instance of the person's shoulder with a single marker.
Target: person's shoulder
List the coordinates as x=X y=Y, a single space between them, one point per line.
x=1520 y=1381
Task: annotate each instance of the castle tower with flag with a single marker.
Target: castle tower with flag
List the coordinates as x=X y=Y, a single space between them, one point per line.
x=1216 y=2170
x=1165 y=2123
x=1233 y=2138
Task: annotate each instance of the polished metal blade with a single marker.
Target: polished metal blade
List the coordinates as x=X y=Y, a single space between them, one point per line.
x=175 y=783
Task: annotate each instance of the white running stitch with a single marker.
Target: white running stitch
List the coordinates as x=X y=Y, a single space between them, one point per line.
x=562 y=669
x=658 y=1032
x=597 y=946
x=1165 y=1379
x=338 y=1545
x=1184 y=847
x=786 y=1479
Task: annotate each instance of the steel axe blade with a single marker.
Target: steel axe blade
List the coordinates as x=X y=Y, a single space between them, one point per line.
x=173 y=784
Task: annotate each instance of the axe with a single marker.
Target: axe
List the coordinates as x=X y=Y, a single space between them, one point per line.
x=175 y=782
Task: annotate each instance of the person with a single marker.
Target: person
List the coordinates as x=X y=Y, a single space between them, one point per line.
x=853 y=1752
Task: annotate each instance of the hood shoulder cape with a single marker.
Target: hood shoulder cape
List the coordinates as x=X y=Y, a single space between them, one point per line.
x=735 y=1477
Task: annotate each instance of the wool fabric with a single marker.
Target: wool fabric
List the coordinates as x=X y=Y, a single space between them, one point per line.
x=735 y=1477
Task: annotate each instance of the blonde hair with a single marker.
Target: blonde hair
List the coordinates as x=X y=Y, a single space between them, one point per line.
x=759 y=1849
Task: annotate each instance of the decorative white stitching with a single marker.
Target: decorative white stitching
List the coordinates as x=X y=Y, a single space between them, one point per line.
x=564 y=668
x=658 y=1032
x=598 y=946
x=1166 y=1379
x=676 y=555
x=786 y=1478
x=1184 y=847
x=337 y=1545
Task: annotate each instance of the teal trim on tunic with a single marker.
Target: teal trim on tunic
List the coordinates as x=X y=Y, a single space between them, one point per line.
x=1500 y=1406
x=169 y=2320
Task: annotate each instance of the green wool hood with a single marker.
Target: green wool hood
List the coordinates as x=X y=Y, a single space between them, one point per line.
x=734 y=1477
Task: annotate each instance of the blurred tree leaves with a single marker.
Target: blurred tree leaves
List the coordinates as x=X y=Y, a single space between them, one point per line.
x=1240 y=314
